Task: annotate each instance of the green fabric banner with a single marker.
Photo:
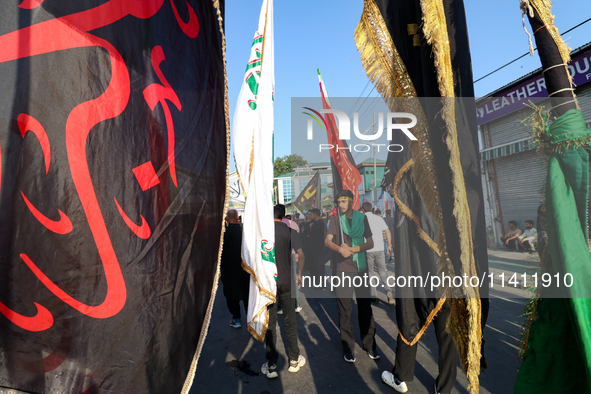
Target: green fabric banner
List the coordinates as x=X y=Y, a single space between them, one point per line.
x=558 y=354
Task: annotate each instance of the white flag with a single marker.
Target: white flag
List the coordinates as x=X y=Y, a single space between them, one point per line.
x=252 y=140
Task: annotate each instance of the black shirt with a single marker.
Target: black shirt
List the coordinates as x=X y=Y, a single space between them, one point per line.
x=390 y=223
x=316 y=236
x=235 y=279
x=334 y=229
x=285 y=240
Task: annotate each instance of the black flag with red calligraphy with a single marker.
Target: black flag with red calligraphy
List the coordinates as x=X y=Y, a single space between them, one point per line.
x=113 y=155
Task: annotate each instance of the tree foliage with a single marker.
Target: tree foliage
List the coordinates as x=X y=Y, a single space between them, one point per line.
x=285 y=164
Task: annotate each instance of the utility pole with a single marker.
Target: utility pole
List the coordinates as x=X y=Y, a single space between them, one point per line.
x=375 y=167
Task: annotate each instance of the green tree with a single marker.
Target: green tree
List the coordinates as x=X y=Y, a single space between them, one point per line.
x=285 y=164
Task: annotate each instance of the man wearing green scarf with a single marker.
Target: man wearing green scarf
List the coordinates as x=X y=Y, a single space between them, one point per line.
x=350 y=236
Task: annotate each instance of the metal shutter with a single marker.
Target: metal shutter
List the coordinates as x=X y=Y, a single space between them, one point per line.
x=520 y=179
x=584 y=96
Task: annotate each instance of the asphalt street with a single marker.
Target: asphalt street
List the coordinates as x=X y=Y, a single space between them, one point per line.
x=231 y=358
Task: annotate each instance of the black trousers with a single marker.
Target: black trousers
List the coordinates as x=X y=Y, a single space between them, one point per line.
x=234 y=307
x=526 y=245
x=511 y=245
x=367 y=327
x=291 y=326
x=316 y=268
x=406 y=355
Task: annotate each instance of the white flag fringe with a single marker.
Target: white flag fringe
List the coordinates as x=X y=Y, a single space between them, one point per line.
x=252 y=140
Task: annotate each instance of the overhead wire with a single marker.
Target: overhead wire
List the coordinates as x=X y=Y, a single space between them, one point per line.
x=527 y=53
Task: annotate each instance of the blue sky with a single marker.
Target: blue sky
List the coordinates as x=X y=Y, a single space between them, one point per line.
x=319 y=34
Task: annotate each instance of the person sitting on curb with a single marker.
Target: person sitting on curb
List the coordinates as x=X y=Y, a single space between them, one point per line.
x=509 y=240
x=529 y=238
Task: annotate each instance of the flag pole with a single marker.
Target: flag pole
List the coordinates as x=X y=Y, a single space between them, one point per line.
x=340 y=224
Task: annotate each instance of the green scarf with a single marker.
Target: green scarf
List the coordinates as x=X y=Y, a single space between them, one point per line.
x=355 y=231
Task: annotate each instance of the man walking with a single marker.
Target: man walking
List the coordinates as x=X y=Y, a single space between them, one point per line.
x=375 y=256
x=236 y=281
x=294 y=267
x=390 y=223
x=315 y=239
x=346 y=233
x=285 y=240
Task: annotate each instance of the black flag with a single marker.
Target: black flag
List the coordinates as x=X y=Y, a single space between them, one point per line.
x=419 y=48
x=310 y=197
x=113 y=162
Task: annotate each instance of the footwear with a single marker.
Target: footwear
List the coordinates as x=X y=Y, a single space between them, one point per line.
x=270 y=371
x=295 y=366
x=375 y=300
x=236 y=323
x=280 y=311
x=349 y=357
x=391 y=300
x=435 y=388
x=373 y=354
x=298 y=309
x=390 y=380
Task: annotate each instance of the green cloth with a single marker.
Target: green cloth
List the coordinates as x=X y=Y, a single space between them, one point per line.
x=558 y=354
x=355 y=231
x=569 y=126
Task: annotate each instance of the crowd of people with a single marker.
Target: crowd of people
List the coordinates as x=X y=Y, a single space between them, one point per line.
x=357 y=243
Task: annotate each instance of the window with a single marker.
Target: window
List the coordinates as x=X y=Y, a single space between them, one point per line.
x=288 y=192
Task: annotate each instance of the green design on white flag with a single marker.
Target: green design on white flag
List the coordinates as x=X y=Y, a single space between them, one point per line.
x=252 y=140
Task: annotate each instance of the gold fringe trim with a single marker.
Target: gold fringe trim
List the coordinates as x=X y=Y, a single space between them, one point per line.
x=252 y=145
x=435 y=31
x=430 y=318
x=460 y=324
x=267 y=294
x=386 y=70
x=262 y=59
x=251 y=165
x=538 y=122
x=381 y=60
x=245 y=267
x=544 y=9
x=263 y=291
x=265 y=324
x=405 y=210
x=204 y=329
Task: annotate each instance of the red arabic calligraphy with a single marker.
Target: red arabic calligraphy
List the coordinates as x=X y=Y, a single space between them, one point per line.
x=69 y=32
x=155 y=94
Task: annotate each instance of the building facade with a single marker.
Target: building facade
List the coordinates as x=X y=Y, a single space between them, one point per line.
x=290 y=185
x=513 y=172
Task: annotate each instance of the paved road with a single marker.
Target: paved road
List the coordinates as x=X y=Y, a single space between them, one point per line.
x=231 y=359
